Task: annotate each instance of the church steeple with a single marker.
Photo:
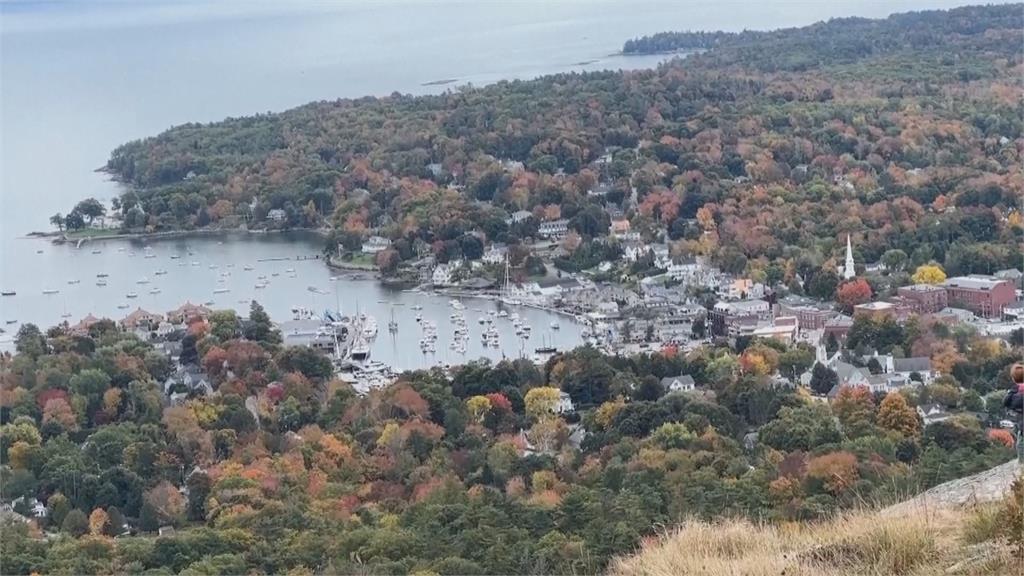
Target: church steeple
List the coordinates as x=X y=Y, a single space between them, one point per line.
x=848 y=267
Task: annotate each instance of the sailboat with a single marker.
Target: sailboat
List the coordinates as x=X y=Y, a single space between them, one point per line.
x=393 y=324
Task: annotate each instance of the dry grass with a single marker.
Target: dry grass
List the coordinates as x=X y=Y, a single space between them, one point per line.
x=862 y=543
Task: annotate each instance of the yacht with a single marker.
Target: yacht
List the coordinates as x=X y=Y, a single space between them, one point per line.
x=555 y=325
x=360 y=352
x=247 y=268
x=502 y=314
x=8 y=293
x=160 y=272
x=122 y=306
x=175 y=256
x=369 y=326
x=132 y=295
x=154 y=291
x=142 y=280
x=221 y=290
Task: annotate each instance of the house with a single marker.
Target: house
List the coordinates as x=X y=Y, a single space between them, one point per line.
x=564 y=403
x=681 y=383
x=850 y=375
x=784 y=329
x=932 y=413
x=908 y=366
x=35 y=508
x=838 y=327
x=187 y=379
x=82 y=328
x=553 y=228
x=186 y=312
x=495 y=254
x=141 y=321
x=738 y=318
x=277 y=215
x=375 y=244
x=895 y=309
x=519 y=216
x=446 y=274
x=619 y=227
x=986 y=296
x=741 y=288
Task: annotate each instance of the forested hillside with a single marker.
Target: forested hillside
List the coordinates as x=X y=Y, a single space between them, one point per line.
x=904 y=132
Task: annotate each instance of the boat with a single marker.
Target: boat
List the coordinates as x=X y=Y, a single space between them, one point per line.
x=102 y=275
x=8 y=293
x=247 y=268
x=369 y=327
x=142 y=280
x=149 y=255
x=122 y=306
x=50 y=291
x=261 y=286
x=360 y=352
x=101 y=282
x=545 y=350
x=502 y=314
x=160 y=272
x=209 y=303
x=195 y=263
x=555 y=325
x=132 y=295
x=175 y=256
x=12 y=321
x=393 y=324
x=213 y=266
x=419 y=317
x=154 y=291
x=221 y=290
x=417 y=307
x=97 y=251
x=290 y=270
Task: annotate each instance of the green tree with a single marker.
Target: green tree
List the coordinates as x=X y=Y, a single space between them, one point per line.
x=75 y=523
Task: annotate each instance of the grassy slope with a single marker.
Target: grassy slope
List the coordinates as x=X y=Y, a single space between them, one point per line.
x=924 y=538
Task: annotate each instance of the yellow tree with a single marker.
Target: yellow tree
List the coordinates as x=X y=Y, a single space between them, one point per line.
x=478 y=407
x=541 y=401
x=929 y=274
x=98 y=522
x=895 y=414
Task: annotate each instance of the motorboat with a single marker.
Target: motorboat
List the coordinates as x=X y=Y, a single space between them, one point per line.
x=247 y=268
x=50 y=291
x=8 y=293
x=555 y=325
x=102 y=275
x=131 y=295
x=160 y=272
x=221 y=290
x=101 y=282
x=122 y=306
x=154 y=291
x=97 y=251
x=142 y=280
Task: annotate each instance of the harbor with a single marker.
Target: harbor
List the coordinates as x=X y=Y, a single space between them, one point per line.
x=279 y=271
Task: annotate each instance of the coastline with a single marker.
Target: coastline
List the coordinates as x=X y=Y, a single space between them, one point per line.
x=61 y=238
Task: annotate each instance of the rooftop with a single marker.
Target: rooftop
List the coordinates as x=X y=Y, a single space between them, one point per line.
x=973 y=282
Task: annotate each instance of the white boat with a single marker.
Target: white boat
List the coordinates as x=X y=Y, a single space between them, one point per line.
x=122 y=306
x=502 y=314
x=213 y=266
x=97 y=251
x=247 y=268
x=290 y=270
x=142 y=280
x=175 y=256
x=50 y=291
x=221 y=290
x=160 y=272
x=209 y=303
x=76 y=281
x=154 y=291
x=101 y=282
x=417 y=307
x=260 y=286
x=131 y=295
x=102 y=275
x=195 y=263
x=149 y=255
x=419 y=317
x=555 y=325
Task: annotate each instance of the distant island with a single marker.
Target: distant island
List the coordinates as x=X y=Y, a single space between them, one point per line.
x=663 y=42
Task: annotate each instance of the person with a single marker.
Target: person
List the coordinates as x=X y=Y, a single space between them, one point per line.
x=1015 y=401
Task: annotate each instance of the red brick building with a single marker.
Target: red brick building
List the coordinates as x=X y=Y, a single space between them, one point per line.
x=986 y=296
x=923 y=298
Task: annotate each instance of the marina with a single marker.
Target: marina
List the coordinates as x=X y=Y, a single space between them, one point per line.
x=281 y=272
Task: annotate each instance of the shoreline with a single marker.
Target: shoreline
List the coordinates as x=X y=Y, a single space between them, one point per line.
x=61 y=238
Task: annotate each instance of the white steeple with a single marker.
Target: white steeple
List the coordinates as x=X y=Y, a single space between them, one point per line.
x=848 y=267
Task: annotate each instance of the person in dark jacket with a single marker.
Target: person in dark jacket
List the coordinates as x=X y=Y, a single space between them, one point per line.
x=1015 y=396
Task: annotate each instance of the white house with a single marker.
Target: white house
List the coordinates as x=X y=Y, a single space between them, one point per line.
x=277 y=215
x=932 y=413
x=554 y=228
x=495 y=254
x=682 y=383
x=375 y=244
x=564 y=403
x=518 y=216
x=444 y=274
